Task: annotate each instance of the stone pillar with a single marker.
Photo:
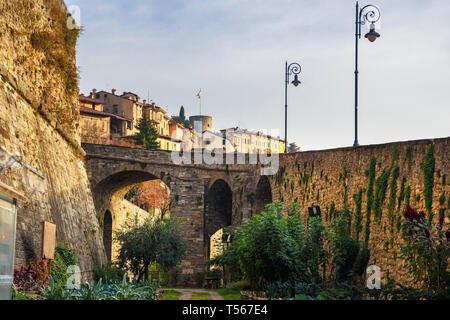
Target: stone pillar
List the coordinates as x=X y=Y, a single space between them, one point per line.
x=187 y=198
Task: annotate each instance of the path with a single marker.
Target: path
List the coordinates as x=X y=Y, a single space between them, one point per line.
x=186 y=294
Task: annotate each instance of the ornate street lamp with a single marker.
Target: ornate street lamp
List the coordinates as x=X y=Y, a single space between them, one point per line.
x=370 y=14
x=292 y=69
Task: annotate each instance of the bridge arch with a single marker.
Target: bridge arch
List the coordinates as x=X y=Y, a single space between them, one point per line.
x=218 y=211
x=205 y=198
x=263 y=194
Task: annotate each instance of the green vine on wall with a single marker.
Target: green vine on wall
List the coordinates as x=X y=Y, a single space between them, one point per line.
x=358 y=216
x=407 y=195
x=428 y=167
x=408 y=156
x=381 y=185
x=393 y=196
x=401 y=197
x=370 y=199
x=394 y=156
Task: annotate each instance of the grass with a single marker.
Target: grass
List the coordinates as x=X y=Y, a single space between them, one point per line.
x=201 y=296
x=170 y=295
x=229 y=294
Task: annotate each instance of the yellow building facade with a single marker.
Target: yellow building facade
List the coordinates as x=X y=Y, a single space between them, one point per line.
x=247 y=141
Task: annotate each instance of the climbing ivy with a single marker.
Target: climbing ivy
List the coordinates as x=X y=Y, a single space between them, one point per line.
x=428 y=167
x=358 y=216
x=401 y=197
x=393 y=195
x=332 y=211
x=407 y=195
x=381 y=185
x=370 y=199
x=279 y=175
x=394 y=156
x=442 y=198
x=408 y=156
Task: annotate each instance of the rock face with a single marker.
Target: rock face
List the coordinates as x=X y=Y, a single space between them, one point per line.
x=334 y=178
x=39 y=121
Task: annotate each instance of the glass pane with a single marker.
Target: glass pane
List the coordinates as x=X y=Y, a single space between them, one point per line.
x=7 y=229
x=5 y=291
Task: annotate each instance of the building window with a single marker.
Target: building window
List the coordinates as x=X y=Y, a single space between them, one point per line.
x=7 y=241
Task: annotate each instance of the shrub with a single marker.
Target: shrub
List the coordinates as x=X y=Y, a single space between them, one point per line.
x=159 y=241
x=266 y=250
x=108 y=272
x=426 y=249
x=62 y=260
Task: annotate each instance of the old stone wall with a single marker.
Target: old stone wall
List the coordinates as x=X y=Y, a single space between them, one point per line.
x=39 y=122
x=113 y=170
x=333 y=179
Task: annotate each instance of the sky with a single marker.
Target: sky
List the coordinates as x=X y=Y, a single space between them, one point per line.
x=235 y=51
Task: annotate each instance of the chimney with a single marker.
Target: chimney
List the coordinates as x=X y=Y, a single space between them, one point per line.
x=94 y=91
x=113 y=91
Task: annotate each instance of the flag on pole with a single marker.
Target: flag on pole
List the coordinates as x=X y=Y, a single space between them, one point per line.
x=199 y=94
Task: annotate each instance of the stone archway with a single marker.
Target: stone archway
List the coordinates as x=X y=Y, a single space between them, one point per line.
x=107 y=233
x=109 y=197
x=218 y=211
x=263 y=194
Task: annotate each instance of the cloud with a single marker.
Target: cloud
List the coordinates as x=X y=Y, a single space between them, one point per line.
x=235 y=51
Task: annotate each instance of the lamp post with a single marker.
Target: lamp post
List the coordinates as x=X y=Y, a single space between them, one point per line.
x=371 y=14
x=292 y=69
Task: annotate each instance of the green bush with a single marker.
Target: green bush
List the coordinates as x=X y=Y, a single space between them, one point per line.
x=64 y=258
x=242 y=285
x=108 y=272
x=141 y=245
x=276 y=246
x=266 y=249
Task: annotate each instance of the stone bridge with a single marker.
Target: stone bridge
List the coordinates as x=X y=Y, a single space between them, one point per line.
x=204 y=197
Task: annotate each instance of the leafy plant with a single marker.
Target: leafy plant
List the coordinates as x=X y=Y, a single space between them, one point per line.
x=108 y=272
x=426 y=249
x=159 y=241
x=62 y=260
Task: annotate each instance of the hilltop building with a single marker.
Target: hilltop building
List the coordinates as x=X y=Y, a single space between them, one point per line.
x=247 y=141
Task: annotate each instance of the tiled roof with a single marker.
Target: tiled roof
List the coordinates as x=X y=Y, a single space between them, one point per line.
x=83 y=98
x=102 y=113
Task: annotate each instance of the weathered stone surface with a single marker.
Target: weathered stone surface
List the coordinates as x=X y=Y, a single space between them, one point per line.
x=308 y=178
x=205 y=198
x=33 y=102
x=335 y=176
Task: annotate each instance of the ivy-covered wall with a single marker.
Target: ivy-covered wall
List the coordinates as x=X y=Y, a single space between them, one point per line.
x=376 y=183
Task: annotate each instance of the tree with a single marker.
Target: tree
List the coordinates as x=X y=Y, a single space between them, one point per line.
x=147 y=135
x=293 y=148
x=181 y=118
x=159 y=241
